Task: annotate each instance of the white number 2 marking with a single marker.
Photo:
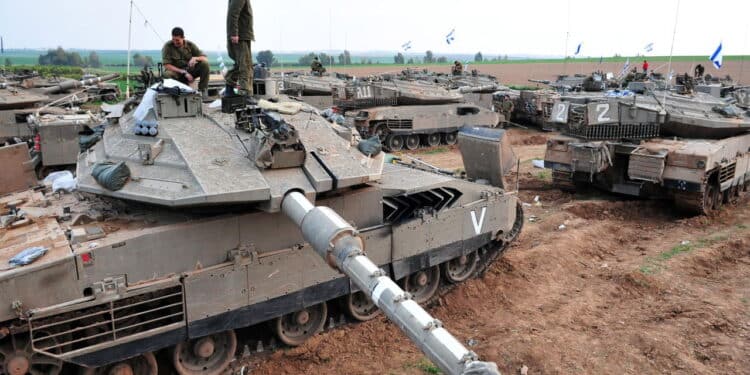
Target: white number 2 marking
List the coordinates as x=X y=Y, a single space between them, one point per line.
x=478 y=225
x=561 y=112
x=602 y=110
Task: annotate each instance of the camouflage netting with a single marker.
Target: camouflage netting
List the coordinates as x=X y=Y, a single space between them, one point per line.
x=110 y=175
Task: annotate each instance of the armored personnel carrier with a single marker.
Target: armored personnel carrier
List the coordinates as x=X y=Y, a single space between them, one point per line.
x=218 y=222
x=617 y=145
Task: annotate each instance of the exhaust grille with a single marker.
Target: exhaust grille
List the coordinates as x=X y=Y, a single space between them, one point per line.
x=108 y=322
x=408 y=206
x=645 y=165
x=727 y=173
x=615 y=131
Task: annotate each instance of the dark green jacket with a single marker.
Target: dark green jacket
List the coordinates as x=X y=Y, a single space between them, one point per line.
x=240 y=20
x=179 y=57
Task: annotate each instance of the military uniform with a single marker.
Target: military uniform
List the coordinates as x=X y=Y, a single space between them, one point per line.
x=317 y=67
x=179 y=57
x=240 y=23
x=458 y=68
x=507 y=108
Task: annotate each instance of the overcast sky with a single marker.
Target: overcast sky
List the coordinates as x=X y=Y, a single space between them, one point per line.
x=494 y=27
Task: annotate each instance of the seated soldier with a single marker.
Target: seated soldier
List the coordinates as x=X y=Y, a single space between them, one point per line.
x=316 y=67
x=184 y=61
x=457 y=69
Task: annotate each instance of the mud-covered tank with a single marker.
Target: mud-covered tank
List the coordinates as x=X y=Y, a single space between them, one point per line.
x=621 y=145
x=220 y=221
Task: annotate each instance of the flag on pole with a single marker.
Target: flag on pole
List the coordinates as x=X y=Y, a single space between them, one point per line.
x=717 y=57
x=649 y=47
x=450 y=37
x=578 y=49
x=406 y=46
x=625 y=67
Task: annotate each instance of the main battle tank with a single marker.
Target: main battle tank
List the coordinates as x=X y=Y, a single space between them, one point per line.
x=217 y=222
x=619 y=146
x=476 y=88
x=316 y=90
x=410 y=114
x=18 y=102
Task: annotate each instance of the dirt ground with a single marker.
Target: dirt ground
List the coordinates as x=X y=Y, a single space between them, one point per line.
x=519 y=74
x=596 y=284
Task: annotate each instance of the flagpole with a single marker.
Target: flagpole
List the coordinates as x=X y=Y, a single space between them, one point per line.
x=671 y=50
x=130 y=29
x=567 y=36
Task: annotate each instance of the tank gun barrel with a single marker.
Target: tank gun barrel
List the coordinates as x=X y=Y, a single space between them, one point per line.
x=76 y=84
x=542 y=81
x=340 y=245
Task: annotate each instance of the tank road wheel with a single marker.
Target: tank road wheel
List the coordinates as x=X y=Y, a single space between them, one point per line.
x=394 y=142
x=734 y=195
x=295 y=328
x=360 y=307
x=450 y=138
x=208 y=355
x=412 y=142
x=461 y=268
x=144 y=364
x=18 y=358
x=423 y=284
x=432 y=140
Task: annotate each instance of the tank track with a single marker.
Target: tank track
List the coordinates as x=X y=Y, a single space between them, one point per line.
x=262 y=343
x=693 y=203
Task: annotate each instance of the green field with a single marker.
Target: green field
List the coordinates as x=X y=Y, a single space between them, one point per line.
x=115 y=61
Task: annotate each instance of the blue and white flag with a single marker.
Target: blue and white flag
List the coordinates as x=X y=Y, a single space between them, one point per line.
x=625 y=67
x=449 y=38
x=222 y=66
x=717 y=57
x=406 y=46
x=578 y=49
x=649 y=47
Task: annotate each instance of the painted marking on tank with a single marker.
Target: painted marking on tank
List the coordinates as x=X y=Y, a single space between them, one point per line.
x=602 y=110
x=478 y=225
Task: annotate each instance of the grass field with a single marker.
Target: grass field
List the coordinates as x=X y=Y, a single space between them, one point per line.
x=115 y=61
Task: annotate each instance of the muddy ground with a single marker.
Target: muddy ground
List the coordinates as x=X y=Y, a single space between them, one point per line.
x=519 y=74
x=596 y=284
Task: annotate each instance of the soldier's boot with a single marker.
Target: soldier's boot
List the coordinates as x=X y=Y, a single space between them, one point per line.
x=229 y=90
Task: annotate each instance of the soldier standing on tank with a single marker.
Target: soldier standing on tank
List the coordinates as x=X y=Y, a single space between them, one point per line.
x=184 y=61
x=240 y=35
x=316 y=67
x=699 y=69
x=507 y=108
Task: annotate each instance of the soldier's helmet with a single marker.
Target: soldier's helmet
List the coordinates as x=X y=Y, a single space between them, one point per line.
x=315 y=58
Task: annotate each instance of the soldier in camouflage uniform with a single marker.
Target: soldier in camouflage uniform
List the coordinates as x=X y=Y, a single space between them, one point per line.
x=507 y=108
x=316 y=67
x=457 y=69
x=240 y=35
x=184 y=61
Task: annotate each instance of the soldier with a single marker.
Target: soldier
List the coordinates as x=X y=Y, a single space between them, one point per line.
x=699 y=69
x=507 y=108
x=316 y=67
x=184 y=61
x=457 y=69
x=240 y=35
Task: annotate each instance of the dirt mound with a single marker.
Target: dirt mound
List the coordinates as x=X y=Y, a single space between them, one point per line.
x=526 y=140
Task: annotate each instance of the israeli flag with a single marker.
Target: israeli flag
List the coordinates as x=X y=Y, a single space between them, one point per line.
x=649 y=47
x=406 y=46
x=449 y=38
x=222 y=66
x=717 y=57
x=578 y=49
x=625 y=67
